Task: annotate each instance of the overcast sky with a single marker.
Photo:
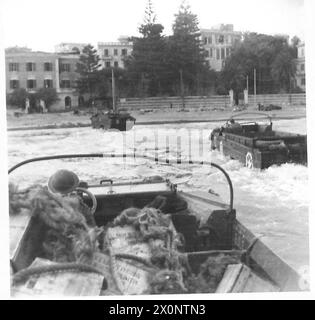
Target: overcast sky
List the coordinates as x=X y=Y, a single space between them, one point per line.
x=40 y=24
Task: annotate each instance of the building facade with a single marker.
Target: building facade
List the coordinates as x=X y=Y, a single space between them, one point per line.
x=66 y=81
x=218 y=42
x=300 y=67
x=113 y=54
x=35 y=70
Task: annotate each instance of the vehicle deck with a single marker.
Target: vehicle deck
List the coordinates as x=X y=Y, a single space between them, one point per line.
x=211 y=234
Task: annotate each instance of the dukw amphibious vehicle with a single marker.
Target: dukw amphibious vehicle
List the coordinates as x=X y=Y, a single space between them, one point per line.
x=257 y=145
x=70 y=237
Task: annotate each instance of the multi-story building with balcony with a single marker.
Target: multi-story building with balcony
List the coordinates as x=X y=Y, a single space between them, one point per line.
x=33 y=70
x=67 y=77
x=218 y=42
x=113 y=54
x=300 y=66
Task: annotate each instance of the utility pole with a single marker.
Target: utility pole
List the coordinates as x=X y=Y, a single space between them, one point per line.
x=247 y=93
x=113 y=91
x=255 y=87
x=182 y=87
x=290 y=88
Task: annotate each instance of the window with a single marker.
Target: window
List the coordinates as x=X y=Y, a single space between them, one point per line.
x=48 y=83
x=222 y=53
x=13 y=66
x=115 y=52
x=65 y=84
x=221 y=39
x=228 y=52
x=206 y=53
x=302 y=67
x=106 y=52
x=107 y=64
x=218 y=54
x=205 y=40
x=123 y=52
x=14 y=84
x=48 y=66
x=303 y=81
x=65 y=67
x=210 y=40
x=31 y=84
x=211 y=52
x=30 y=66
x=116 y=64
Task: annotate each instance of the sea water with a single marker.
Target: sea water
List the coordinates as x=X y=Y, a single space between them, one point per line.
x=273 y=203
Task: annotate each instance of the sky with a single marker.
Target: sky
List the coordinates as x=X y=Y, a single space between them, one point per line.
x=41 y=24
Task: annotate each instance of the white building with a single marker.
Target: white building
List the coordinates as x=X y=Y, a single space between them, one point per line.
x=33 y=70
x=300 y=67
x=218 y=42
x=113 y=54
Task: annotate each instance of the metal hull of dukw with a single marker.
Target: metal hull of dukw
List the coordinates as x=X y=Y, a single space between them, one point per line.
x=258 y=145
x=209 y=228
x=112 y=121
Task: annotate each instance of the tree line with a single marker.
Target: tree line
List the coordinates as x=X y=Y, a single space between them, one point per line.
x=158 y=66
x=18 y=98
x=176 y=65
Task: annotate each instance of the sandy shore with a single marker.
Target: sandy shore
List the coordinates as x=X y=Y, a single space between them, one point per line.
x=70 y=120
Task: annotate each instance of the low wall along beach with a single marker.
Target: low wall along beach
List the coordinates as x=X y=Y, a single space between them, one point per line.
x=220 y=102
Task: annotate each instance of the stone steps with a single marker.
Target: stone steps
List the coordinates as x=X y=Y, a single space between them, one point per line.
x=210 y=102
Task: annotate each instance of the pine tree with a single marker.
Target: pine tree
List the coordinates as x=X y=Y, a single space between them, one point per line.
x=150 y=16
x=187 y=57
x=146 y=65
x=87 y=68
x=186 y=23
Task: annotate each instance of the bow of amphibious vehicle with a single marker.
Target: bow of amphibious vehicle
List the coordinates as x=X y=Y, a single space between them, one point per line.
x=134 y=237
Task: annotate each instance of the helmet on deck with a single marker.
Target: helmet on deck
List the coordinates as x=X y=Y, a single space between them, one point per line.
x=63 y=181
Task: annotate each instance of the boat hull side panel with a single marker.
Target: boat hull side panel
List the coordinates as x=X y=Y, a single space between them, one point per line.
x=263 y=258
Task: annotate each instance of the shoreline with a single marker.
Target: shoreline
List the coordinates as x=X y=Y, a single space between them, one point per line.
x=149 y=123
x=156 y=119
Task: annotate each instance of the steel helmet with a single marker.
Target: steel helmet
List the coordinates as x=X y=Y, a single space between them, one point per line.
x=63 y=181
